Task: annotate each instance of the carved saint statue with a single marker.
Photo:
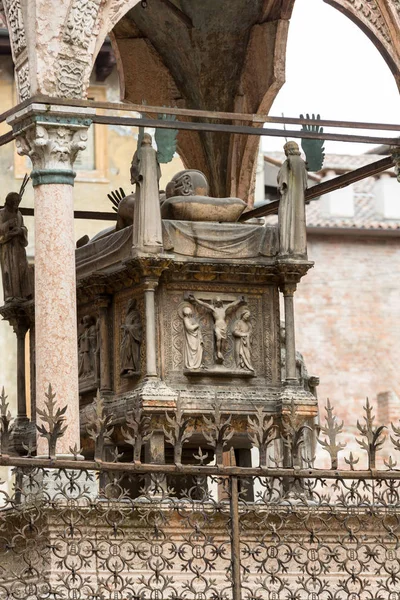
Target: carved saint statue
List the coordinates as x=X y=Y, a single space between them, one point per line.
x=131 y=340
x=292 y=184
x=16 y=273
x=193 y=343
x=219 y=313
x=242 y=333
x=88 y=348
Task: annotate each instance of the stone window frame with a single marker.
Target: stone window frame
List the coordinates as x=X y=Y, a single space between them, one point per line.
x=100 y=173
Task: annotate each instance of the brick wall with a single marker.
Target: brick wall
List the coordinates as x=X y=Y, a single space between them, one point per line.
x=348 y=321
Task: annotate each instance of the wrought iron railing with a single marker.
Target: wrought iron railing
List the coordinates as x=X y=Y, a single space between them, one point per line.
x=116 y=530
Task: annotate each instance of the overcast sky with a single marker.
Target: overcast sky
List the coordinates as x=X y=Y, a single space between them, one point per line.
x=333 y=68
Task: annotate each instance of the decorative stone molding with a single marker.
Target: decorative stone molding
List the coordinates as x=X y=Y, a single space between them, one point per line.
x=16 y=25
x=24 y=84
x=370 y=12
x=81 y=22
x=70 y=77
x=51 y=142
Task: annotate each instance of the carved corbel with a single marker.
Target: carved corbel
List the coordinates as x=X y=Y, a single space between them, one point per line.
x=292 y=271
x=150 y=267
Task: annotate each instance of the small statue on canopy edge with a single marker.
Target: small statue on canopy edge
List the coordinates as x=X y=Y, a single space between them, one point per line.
x=292 y=184
x=16 y=272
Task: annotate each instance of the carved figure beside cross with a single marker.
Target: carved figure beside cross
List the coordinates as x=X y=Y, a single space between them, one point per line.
x=219 y=313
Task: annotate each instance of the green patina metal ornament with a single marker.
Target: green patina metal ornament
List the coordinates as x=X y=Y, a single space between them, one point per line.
x=313 y=149
x=166 y=141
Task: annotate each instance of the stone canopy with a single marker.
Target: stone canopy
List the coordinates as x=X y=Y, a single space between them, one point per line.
x=178 y=53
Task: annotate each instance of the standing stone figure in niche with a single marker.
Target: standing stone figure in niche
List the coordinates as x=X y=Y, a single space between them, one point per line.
x=16 y=273
x=193 y=343
x=242 y=333
x=131 y=340
x=88 y=348
x=219 y=313
x=292 y=184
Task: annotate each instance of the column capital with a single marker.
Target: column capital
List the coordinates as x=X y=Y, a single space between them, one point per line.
x=288 y=288
x=150 y=284
x=51 y=136
x=102 y=302
x=150 y=267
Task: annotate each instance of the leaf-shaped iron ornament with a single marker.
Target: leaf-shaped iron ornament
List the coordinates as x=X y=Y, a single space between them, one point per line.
x=137 y=430
x=5 y=423
x=166 y=141
x=218 y=432
x=262 y=432
x=332 y=429
x=293 y=429
x=312 y=148
x=55 y=420
x=374 y=437
x=99 y=428
x=396 y=439
x=177 y=433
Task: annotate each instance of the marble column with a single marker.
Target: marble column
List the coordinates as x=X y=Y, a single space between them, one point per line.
x=32 y=352
x=288 y=290
x=20 y=330
x=52 y=136
x=150 y=286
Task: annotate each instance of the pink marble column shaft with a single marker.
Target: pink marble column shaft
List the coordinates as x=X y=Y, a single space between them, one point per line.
x=55 y=308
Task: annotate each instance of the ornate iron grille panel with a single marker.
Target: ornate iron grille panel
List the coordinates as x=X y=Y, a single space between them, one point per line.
x=127 y=531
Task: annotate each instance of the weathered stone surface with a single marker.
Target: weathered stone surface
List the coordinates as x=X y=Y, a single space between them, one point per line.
x=52 y=146
x=197 y=208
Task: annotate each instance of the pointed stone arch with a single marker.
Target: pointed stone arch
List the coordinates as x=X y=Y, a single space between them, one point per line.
x=380 y=21
x=55 y=44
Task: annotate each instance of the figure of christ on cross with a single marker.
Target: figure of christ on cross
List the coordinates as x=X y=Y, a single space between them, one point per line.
x=219 y=313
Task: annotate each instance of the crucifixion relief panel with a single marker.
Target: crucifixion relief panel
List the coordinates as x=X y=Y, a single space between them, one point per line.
x=217 y=332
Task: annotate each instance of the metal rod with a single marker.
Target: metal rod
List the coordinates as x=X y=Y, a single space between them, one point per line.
x=272 y=207
x=230 y=129
x=348 y=178
x=78 y=214
x=325 y=187
x=235 y=545
x=187 y=112
x=61 y=463
x=241 y=129
x=261 y=211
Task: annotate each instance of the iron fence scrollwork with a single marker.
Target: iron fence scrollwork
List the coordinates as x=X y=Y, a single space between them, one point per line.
x=123 y=529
